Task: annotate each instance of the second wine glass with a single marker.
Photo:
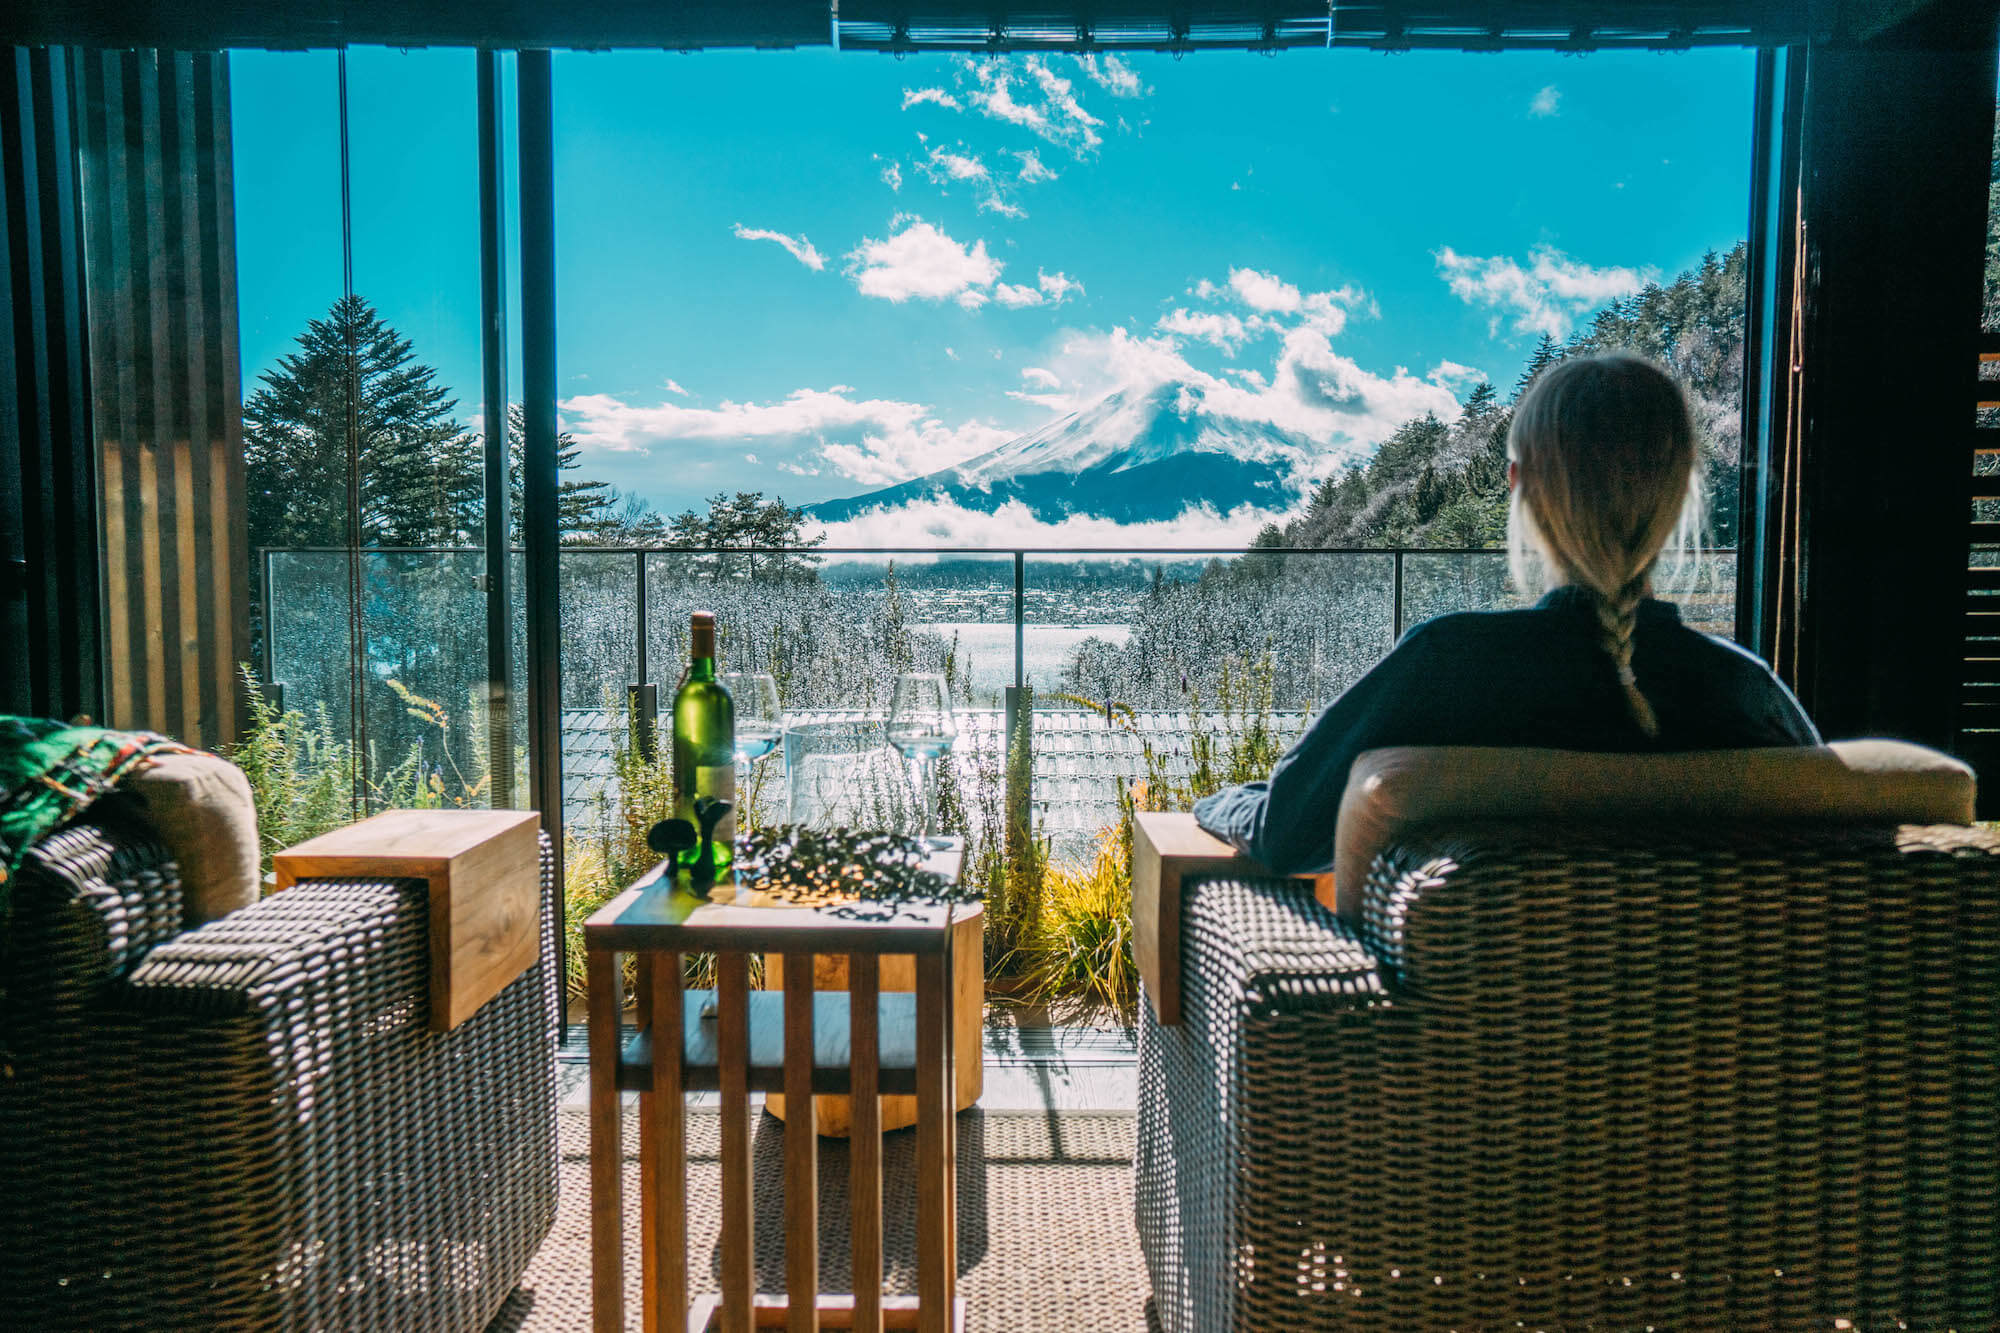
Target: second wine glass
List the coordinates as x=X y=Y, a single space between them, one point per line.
x=922 y=729
x=759 y=725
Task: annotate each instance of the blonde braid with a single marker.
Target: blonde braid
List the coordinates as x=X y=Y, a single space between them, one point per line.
x=1617 y=617
x=1604 y=454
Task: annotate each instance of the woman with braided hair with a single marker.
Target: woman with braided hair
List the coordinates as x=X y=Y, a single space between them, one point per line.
x=1601 y=472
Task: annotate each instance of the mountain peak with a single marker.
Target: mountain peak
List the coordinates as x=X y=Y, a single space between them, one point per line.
x=1138 y=454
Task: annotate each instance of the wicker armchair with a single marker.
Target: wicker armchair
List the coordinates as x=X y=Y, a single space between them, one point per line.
x=250 y=1125
x=1574 y=1076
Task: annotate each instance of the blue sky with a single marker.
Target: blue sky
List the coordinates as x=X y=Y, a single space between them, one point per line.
x=815 y=274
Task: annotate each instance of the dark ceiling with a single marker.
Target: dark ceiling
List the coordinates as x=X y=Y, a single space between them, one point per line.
x=885 y=25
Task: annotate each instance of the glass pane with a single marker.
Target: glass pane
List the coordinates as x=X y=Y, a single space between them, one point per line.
x=1211 y=307
x=305 y=608
x=415 y=317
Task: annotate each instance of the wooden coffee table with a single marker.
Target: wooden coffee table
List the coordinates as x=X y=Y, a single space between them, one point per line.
x=860 y=1043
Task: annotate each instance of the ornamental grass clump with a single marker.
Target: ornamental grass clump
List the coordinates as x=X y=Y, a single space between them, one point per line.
x=1078 y=945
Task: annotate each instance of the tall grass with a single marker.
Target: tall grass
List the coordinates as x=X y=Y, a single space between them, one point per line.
x=1077 y=950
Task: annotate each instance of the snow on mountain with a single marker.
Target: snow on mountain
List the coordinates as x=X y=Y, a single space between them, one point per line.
x=1135 y=456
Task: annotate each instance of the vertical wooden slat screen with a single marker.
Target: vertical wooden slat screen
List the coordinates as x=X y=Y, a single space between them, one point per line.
x=1979 y=702
x=49 y=608
x=160 y=239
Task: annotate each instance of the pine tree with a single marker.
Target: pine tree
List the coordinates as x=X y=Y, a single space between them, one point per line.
x=1546 y=354
x=1482 y=401
x=417 y=465
x=748 y=522
x=585 y=510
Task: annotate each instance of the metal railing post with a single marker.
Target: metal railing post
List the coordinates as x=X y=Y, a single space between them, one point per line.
x=642 y=617
x=1020 y=620
x=643 y=698
x=1396 y=634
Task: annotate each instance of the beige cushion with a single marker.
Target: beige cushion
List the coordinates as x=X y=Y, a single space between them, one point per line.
x=1391 y=790
x=202 y=808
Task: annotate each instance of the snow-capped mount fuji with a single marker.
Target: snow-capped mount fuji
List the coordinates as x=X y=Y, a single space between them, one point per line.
x=1133 y=456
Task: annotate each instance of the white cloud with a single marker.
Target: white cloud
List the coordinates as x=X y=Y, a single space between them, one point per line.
x=1312 y=391
x=1547 y=102
x=945 y=523
x=1276 y=301
x=1048 y=109
x=1264 y=291
x=993 y=203
x=1014 y=297
x=749 y=458
x=1049 y=288
x=674 y=386
x=602 y=422
x=1040 y=378
x=1254 y=378
x=1032 y=169
x=942 y=166
x=1222 y=330
x=801 y=249
x=951 y=353
x=917 y=96
x=1547 y=295
x=1113 y=75
x=885 y=459
x=1057 y=90
x=1451 y=374
x=892 y=176
x=1058 y=287
x=919 y=261
x=851 y=442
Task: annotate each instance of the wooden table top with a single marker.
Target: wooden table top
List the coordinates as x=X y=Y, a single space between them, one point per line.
x=655 y=913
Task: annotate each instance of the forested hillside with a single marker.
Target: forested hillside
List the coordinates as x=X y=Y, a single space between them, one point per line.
x=1433 y=484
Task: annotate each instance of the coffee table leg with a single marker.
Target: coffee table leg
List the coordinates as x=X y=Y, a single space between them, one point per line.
x=663 y=1152
x=934 y=1261
x=864 y=1144
x=738 y=1238
x=607 y=1223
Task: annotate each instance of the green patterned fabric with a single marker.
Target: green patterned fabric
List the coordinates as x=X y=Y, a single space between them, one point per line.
x=50 y=771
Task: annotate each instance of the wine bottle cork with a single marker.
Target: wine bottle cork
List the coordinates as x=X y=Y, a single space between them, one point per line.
x=702 y=634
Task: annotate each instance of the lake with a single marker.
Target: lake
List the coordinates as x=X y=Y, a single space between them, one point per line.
x=986 y=649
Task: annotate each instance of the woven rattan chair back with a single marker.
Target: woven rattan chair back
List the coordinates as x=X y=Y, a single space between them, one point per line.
x=1730 y=1077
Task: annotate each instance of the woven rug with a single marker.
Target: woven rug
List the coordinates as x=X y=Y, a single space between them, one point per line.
x=1045 y=1236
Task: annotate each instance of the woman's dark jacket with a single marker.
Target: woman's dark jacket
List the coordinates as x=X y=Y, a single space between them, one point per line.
x=1534 y=677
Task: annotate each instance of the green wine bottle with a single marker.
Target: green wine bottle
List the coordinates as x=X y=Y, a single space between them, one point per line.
x=705 y=744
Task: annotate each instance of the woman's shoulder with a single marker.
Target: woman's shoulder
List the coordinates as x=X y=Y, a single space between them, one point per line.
x=1711 y=651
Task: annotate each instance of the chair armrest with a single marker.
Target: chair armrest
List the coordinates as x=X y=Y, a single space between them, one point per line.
x=1168 y=850
x=1259 y=1103
x=327 y=937
x=1273 y=944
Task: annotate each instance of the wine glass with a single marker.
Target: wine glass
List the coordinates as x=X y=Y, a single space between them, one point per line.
x=759 y=723
x=921 y=727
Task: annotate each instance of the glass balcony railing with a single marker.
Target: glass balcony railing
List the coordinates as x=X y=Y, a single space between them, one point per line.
x=1131 y=655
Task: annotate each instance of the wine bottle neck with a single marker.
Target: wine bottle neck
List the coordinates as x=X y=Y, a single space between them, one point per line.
x=702 y=668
